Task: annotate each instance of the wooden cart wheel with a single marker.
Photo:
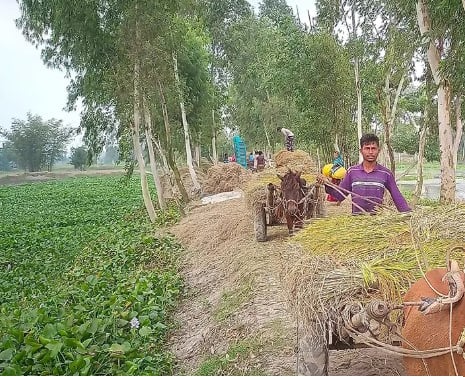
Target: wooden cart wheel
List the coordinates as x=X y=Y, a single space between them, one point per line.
x=320 y=204
x=260 y=224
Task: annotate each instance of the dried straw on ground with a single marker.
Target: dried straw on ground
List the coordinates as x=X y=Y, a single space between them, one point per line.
x=297 y=161
x=347 y=259
x=170 y=189
x=225 y=177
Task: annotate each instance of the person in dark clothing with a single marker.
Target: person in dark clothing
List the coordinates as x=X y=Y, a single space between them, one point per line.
x=260 y=161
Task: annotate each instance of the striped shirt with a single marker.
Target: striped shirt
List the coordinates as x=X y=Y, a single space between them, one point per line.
x=369 y=185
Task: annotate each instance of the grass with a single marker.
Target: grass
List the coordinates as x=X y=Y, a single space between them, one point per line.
x=229 y=363
x=231 y=301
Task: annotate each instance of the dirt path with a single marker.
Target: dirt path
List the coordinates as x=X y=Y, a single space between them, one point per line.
x=235 y=319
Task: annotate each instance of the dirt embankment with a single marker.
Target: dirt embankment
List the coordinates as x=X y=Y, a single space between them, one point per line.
x=235 y=318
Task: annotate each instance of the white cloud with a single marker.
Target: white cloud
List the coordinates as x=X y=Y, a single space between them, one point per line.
x=26 y=84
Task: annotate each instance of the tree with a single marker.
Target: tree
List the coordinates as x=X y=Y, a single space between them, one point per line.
x=37 y=144
x=440 y=36
x=79 y=157
x=7 y=157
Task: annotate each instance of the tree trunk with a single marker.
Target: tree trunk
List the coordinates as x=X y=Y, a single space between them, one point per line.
x=137 y=148
x=214 y=152
x=198 y=153
x=458 y=127
x=389 y=115
x=170 y=157
x=185 y=125
x=358 y=87
x=271 y=123
x=166 y=168
x=153 y=163
x=421 y=156
x=448 y=186
x=447 y=192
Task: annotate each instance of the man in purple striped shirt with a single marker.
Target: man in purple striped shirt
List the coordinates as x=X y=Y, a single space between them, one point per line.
x=368 y=180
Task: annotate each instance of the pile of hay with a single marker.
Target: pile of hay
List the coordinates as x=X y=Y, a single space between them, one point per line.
x=224 y=178
x=170 y=189
x=347 y=259
x=256 y=188
x=297 y=161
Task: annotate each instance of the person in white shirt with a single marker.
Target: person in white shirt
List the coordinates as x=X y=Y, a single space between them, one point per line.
x=288 y=138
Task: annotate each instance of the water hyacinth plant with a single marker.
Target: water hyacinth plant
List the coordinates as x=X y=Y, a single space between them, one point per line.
x=84 y=268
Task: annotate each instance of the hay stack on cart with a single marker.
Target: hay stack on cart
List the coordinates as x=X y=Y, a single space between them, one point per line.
x=261 y=201
x=351 y=264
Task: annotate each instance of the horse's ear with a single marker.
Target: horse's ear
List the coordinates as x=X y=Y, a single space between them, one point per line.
x=281 y=178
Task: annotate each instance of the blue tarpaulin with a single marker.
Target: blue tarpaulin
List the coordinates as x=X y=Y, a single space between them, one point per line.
x=240 y=151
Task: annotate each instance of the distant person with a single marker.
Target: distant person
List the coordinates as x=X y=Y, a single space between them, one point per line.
x=368 y=180
x=225 y=158
x=250 y=161
x=337 y=172
x=260 y=161
x=288 y=138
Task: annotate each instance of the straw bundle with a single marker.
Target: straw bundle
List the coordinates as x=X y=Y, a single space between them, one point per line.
x=255 y=189
x=225 y=177
x=297 y=161
x=347 y=259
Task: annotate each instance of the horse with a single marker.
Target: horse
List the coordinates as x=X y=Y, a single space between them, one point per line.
x=293 y=192
x=435 y=330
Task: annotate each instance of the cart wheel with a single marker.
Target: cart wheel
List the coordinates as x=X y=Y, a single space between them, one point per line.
x=320 y=204
x=313 y=356
x=260 y=224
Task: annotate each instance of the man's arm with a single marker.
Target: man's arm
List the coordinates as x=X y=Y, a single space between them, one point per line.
x=397 y=197
x=340 y=195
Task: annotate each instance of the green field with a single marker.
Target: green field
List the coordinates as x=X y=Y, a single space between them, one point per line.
x=78 y=263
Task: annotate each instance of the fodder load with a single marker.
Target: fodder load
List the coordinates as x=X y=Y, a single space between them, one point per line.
x=355 y=259
x=297 y=161
x=225 y=177
x=255 y=189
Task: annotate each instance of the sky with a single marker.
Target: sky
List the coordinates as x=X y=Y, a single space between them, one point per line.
x=27 y=85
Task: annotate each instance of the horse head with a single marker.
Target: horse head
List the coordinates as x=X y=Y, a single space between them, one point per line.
x=292 y=192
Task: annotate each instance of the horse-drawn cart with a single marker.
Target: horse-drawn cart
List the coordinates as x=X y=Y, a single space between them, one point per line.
x=292 y=202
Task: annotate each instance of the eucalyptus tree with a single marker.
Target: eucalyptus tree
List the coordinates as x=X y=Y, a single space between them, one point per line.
x=120 y=55
x=439 y=24
x=219 y=15
x=343 y=19
x=394 y=42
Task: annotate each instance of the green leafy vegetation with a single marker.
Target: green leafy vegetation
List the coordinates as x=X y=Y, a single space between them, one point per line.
x=86 y=288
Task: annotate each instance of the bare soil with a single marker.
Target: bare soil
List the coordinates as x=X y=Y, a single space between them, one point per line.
x=235 y=318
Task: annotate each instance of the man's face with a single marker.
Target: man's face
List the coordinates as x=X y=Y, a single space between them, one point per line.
x=370 y=152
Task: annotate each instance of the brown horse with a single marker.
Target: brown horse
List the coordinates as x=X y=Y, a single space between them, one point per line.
x=293 y=193
x=427 y=332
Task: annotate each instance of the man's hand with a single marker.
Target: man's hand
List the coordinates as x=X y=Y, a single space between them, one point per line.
x=321 y=179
